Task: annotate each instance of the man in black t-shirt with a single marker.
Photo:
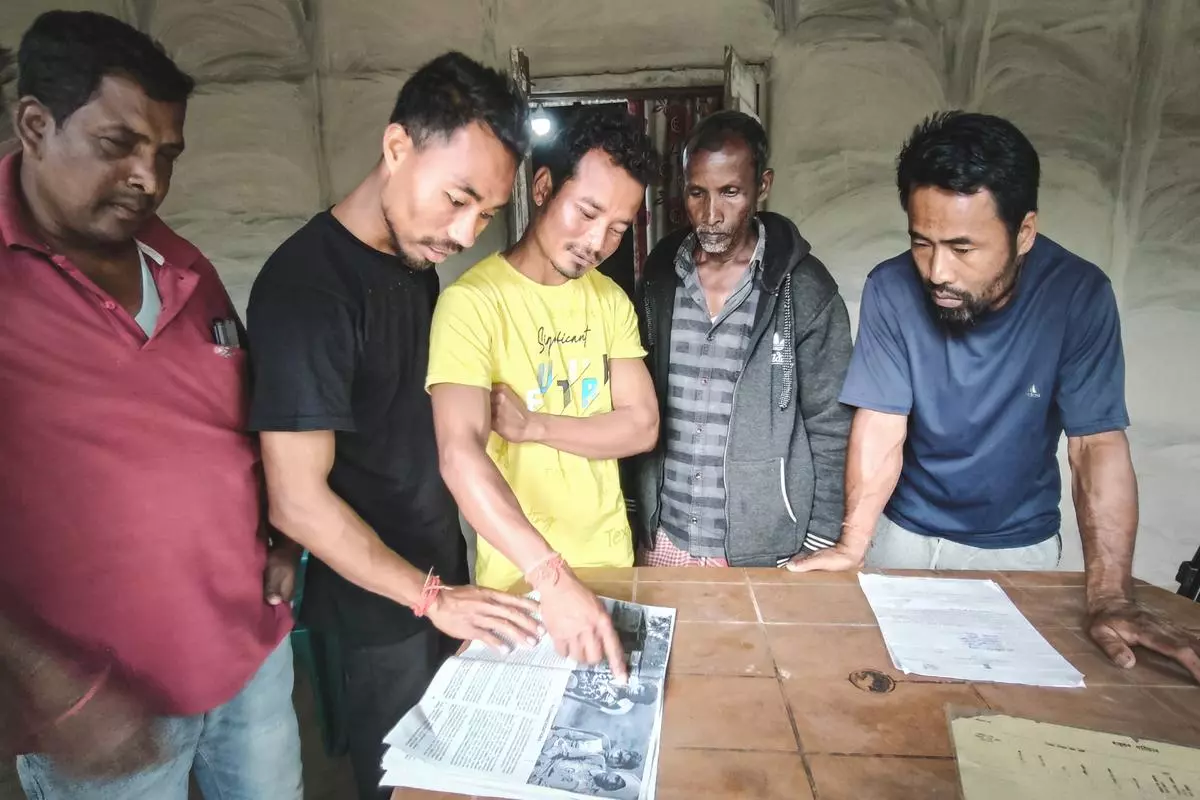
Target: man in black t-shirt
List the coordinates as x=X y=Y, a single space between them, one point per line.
x=339 y=324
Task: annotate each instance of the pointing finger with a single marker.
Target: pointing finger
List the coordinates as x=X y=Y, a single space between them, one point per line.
x=613 y=653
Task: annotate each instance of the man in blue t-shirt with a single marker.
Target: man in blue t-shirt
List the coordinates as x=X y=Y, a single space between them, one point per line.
x=976 y=350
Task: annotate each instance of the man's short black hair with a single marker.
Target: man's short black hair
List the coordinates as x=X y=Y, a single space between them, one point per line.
x=965 y=153
x=720 y=128
x=618 y=133
x=65 y=54
x=453 y=91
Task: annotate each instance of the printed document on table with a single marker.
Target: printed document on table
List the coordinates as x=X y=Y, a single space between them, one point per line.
x=964 y=629
x=530 y=724
x=1001 y=757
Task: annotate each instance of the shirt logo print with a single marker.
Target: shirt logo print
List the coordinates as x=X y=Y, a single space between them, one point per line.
x=589 y=386
x=777 y=345
x=1032 y=391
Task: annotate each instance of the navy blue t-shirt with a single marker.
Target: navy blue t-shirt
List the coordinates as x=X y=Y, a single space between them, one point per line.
x=986 y=409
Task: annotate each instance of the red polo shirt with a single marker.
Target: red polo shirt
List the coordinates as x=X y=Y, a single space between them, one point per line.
x=129 y=490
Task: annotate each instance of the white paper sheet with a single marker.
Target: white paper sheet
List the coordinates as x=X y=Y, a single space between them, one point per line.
x=964 y=629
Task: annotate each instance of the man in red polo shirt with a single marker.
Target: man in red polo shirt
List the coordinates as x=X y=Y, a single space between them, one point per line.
x=130 y=494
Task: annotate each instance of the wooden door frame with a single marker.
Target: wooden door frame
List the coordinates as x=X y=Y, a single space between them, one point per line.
x=616 y=86
x=617 y=83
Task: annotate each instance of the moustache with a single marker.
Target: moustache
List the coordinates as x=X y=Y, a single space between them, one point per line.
x=140 y=203
x=444 y=245
x=583 y=254
x=945 y=288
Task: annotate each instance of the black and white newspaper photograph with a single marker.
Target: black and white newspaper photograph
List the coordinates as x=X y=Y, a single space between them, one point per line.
x=530 y=724
x=604 y=731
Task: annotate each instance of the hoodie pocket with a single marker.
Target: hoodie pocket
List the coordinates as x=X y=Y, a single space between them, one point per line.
x=762 y=522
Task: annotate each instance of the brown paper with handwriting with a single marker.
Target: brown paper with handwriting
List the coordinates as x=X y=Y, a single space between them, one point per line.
x=1002 y=757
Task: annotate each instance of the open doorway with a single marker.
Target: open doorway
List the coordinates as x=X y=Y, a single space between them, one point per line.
x=670 y=102
x=669 y=118
x=549 y=120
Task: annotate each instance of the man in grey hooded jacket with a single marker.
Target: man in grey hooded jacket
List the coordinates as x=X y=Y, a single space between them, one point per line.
x=749 y=343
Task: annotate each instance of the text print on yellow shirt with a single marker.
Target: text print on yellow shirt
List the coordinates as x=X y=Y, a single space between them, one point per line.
x=555 y=392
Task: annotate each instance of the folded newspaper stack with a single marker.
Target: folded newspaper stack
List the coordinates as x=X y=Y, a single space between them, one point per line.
x=531 y=724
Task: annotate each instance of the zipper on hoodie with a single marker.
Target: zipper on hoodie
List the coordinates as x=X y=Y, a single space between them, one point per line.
x=651 y=341
x=732 y=408
x=725 y=454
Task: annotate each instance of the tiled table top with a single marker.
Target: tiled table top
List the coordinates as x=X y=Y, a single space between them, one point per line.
x=760 y=704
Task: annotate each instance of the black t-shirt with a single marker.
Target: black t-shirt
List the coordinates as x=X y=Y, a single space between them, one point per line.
x=339 y=340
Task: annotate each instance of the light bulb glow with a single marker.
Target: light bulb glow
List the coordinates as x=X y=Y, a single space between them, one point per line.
x=541 y=124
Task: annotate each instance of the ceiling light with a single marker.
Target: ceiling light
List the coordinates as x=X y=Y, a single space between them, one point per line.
x=541 y=122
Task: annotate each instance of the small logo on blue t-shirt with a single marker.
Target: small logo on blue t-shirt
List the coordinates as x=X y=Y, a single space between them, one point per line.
x=1032 y=391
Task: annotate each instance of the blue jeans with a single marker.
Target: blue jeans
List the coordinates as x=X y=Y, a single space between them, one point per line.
x=246 y=749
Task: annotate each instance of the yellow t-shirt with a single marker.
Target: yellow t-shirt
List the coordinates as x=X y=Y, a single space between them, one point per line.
x=552 y=345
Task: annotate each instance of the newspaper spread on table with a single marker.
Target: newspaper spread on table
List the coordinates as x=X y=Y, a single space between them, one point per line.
x=531 y=724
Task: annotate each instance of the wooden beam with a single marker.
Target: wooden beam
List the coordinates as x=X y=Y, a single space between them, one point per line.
x=616 y=82
x=519 y=212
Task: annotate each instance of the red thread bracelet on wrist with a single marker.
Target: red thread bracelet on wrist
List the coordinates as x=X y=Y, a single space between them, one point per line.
x=429 y=592
x=83 y=701
x=546 y=572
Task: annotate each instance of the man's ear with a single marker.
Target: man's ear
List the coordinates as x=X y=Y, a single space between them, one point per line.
x=1027 y=233
x=397 y=146
x=764 y=186
x=34 y=124
x=543 y=186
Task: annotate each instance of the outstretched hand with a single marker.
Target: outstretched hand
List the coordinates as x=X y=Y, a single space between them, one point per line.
x=494 y=618
x=580 y=626
x=1119 y=626
x=831 y=559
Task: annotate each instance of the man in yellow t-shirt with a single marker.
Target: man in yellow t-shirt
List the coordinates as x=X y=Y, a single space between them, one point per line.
x=552 y=347
x=538 y=384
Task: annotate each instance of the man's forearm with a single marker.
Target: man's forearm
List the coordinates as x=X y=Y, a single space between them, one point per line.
x=874 y=459
x=618 y=433
x=325 y=525
x=18 y=654
x=19 y=661
x=489 y=505
x=1104 y=488
x=36 y=682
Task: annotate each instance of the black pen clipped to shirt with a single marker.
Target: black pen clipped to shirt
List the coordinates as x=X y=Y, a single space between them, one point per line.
x=225 y=333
